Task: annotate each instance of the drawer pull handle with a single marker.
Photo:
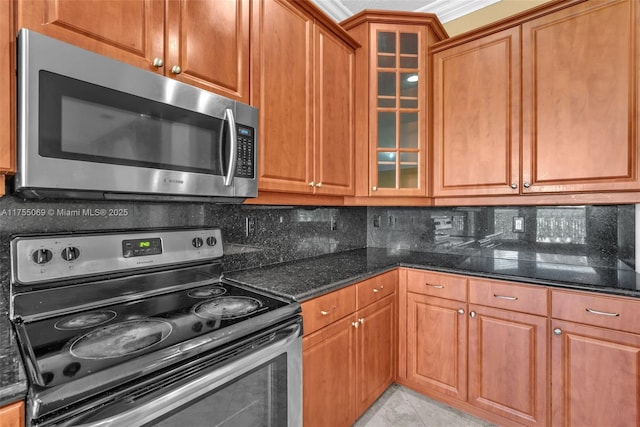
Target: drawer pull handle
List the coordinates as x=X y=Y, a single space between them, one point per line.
x=602 y=313
x=506 y=297
x=435 y=286
x=375 y=291
x=324 y=313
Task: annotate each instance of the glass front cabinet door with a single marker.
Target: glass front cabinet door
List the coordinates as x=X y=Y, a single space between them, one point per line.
x=391 y=96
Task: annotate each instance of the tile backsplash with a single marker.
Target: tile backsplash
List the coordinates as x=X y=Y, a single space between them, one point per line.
x=606 y=232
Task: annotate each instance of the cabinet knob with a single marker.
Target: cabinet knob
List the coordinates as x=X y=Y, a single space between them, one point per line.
x=514 y=186
x=361 y=320
x=311 y=184
x=557 y=331
x=324 y=313
x=176 y=69
x=355 y=324
x=319 y=185
x=460 y=311
x=374 y=188
x=157 y=62
x=375 y=291
x=472 y=314
x=526 y=185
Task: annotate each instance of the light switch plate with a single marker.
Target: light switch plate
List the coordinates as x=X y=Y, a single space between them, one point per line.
x=518 y=224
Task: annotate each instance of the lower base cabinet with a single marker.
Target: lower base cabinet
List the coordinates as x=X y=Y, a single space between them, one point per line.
x=595 y=360
x=479 y=345
x=12 y=415
x=348 y=351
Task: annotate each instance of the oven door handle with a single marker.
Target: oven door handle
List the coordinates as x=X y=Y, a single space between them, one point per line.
x=233 y=146
x=153 y=409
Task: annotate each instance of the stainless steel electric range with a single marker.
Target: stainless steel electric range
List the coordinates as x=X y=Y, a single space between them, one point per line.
x=140 y=328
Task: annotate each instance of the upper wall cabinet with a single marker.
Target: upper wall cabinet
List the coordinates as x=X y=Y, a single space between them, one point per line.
x=476 y=126
x=580 y=105
x=7 y=88
x=202 y=43
x=392 y=101
x=575 y=128
x=302 y=82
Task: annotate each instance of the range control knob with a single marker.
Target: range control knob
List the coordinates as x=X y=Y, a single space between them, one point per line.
x=197 y=242
x=211 y=241
x=42 y=256
x=71 y=253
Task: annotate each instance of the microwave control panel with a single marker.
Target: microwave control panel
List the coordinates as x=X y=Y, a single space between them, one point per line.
x=245 y=165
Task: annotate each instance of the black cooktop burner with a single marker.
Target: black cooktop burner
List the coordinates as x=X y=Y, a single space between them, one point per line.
x=71 y=346
x=227 y=307
x=120 y=339
x=86 y=320
x=207 y=292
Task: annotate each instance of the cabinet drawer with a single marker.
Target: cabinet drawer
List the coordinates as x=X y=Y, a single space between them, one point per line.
x=438 y=285
x=321 y=311
x=376 y=288
x=606 y=311
x=510 y=296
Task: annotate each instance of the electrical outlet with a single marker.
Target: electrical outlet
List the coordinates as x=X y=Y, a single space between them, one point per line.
x=392 y=220
x=518 y=224
x=334 y=223
x=250 y=226
x=376 y=221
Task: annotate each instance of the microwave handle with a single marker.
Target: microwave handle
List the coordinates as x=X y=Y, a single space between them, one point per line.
x=233 y=146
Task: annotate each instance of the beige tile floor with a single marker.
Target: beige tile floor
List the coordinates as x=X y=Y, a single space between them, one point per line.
x=401 y=407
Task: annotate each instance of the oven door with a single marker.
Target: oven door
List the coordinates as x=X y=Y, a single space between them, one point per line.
x=88 y=123
x=260 y=386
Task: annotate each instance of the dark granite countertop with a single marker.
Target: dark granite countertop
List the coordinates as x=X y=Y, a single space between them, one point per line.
x=311 y=277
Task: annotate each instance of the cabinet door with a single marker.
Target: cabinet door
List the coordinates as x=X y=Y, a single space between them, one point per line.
x=398 y=115
x=580 y=98
x=476 y=124
x=328 y=359
x=595 y=374
x=333 y=118
x=12 y=415
x=131 y=31
x=7 y=87
x=209 y=41
x=508 y=364
x=376 y=354
x=281 y=86
x=437 y=344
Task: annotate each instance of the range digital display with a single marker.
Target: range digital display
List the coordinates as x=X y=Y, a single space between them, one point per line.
x=141 y=247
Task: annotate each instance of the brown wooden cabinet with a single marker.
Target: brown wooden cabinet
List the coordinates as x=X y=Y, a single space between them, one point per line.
x=349 y=350
x=302 y=81
x=12 y=415
x=205 y=44
x=488 y=357
x=547 y=105
x=392 y=101
x=508 y=335
x=476 y=124
x=376 y=338
x=435 y=339
x=595 y=360
x=7 y=88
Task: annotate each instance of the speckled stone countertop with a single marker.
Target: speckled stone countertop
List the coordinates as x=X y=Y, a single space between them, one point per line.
x=311 y=277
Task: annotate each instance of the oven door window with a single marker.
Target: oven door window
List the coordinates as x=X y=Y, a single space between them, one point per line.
x=258 y=399
x=83 y=121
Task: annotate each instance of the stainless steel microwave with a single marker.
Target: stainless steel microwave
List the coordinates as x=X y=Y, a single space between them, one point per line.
x=93 y=127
